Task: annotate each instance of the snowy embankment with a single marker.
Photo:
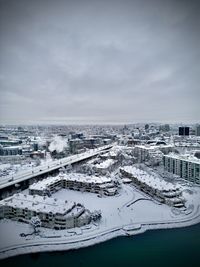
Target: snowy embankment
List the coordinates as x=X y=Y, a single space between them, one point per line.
x=129 y=213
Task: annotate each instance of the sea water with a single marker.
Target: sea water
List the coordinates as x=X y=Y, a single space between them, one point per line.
x=170 y=247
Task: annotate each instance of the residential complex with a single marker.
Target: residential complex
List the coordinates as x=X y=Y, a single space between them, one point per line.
x=10 y=150
x=53 y=213
x=163 y=191
x=187 y=167
x=151 y=152
x=42 y=161
x=75 y=181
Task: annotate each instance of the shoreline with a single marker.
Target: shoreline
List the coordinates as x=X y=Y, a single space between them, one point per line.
x=130 y=213
x=127 y=230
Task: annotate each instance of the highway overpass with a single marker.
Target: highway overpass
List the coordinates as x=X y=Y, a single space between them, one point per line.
x=12 y=180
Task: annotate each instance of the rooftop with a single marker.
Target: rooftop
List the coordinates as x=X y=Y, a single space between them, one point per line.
x=150 y=180
x=186 y=157
x=151 y=147
x=105 y=164
x=78 y=177
x=39 y=203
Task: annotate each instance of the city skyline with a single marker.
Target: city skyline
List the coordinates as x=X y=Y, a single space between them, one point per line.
x=99 y=62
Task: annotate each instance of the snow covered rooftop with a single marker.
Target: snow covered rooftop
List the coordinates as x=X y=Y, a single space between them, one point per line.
x=186 y=157
x=150 y=180
x=78 y=177
x=152 y=146
x=39 y=204
x=116 y=150
x=105 y=164
x=43 y=184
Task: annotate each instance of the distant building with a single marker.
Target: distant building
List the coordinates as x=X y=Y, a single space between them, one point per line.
x=77 y=135
x=75 y=145
x=53 y=213
x=197 y=132
x=27 y=150
x=132 y=141
x=35 y=146
x=10 y=150
x=38 y=154
x=184 y=131
x=145 y=153
x=164 y=128
x=8 y=142
x=186 y=167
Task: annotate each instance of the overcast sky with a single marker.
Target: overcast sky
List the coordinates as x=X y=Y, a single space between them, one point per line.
x=99 y=61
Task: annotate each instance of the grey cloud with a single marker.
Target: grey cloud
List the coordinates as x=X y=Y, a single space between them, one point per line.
x=96 y=61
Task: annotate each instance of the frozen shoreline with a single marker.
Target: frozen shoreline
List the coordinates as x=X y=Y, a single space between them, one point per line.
x=128 y=220
x=93 y=240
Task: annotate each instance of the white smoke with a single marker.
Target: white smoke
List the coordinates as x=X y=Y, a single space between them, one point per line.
x=58 y=144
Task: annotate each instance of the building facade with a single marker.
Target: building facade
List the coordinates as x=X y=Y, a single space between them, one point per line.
x=186 y=167
x=10 y=150
x=197 y=131
x=151 y=153
x=159 y=189
x=53 y=213
x=184 y=131
x=74 y=181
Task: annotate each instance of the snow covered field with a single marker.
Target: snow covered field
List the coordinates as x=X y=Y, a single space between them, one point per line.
x=131 y=212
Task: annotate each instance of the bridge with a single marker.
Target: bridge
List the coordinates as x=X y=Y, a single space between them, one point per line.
x=48 y=167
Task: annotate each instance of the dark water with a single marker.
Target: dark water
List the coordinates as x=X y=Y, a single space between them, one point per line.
x=175 y=247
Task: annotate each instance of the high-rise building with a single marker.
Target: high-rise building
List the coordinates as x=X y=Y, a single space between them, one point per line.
x=186 y=167
x=198 y=130
x=184 y=131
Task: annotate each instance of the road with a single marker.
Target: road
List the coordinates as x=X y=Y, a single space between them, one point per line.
x=49 y=166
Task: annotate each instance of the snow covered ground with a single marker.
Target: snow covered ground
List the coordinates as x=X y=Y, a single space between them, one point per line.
x=131 y=212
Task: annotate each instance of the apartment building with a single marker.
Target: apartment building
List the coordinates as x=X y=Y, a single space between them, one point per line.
x=185 y=166
x=161 y=190
x=53 y=213
x=74 y=181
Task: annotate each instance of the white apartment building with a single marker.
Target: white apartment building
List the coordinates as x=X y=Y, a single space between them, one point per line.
x=147 y=152
x=53 y=213
x=185 y=166
x=161 y=190
x=74 y=181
